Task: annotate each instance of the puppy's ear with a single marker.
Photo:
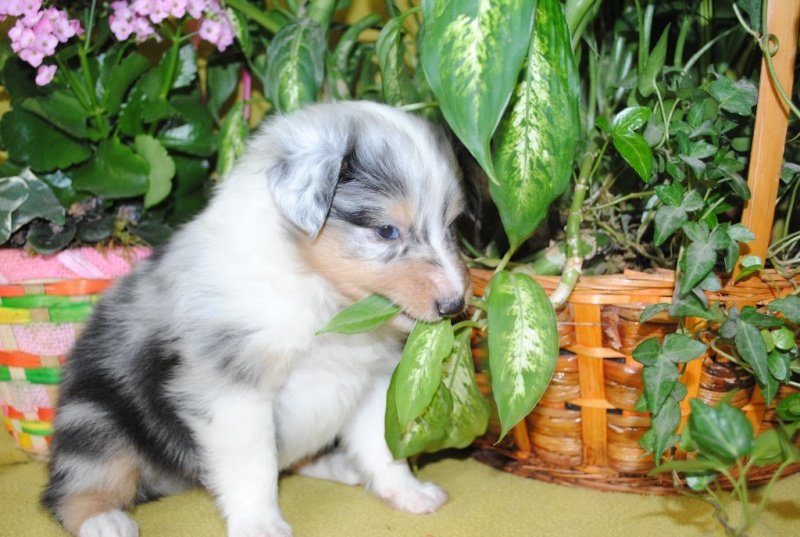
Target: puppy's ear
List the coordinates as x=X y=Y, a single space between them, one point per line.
x=303 y=183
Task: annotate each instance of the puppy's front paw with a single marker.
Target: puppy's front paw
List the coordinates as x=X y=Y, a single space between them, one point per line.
x=413 y=496
x=274 y=528
x=110 y=524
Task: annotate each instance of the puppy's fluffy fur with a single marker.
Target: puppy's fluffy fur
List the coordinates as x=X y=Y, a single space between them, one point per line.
x=201 y=367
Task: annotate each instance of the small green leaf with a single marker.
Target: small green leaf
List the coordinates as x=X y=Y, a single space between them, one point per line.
x=419 y=373
x=667 y=221
x=49 y=239
x=778 y=365
x=788 y=408
x=689 y=306
x=722 y=432
x=751 y=346
x=115 y=172
x=784 y=338
x=637 y=152
x=788 y=306
x=693 y=201
x=647 y=352
x=700 y=260
x=671 y=194
x=659 y=380
x=655 y=63
x=652 y=310
x=758 y=319
x=222 y=82
x=40 y=202
x=738 y=97
x=523 y=344
x=679 y=348
x=630 y=119
x=162 y=169
x=662 y=428
x=740 y=233
x=363 y=316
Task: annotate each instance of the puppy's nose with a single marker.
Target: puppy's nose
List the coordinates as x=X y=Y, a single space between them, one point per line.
x=450 y=307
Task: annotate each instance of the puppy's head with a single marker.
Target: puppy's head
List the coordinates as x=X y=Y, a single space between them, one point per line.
x=371 y=195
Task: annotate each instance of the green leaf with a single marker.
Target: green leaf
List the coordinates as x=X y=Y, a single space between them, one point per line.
x=667 y=221
x=396 y=82
x=63 y=110
x=94 y=231
x=738 y=97
x=753 y=10
x=48 y=239
x=722 y=432
x=659 y=380
x=636 y=152
x=13 y=193
x=364 y=316
x=693 y=201
x=121 y=79
x=115 y=172
x=295 y=65
x=652 y=310
x=232 y=139
x=738 y=232
x=774 y=446
x=671 y=194
x=655 y=63
x=470 y=415
x=648 y=351
x=535 y=144
x=679 y=348
x=472 y=52
x=689 y=306
x=192 y=132
x=750 y=264
x=784 y=338
x=758 y=319
x=788 y=306
x=419 y=372
x=162 y=169
x=630 y=119
x=700 y=260
x=661 y=436
x=187 y=67
x=222 y=81
x=778 y=365
x=751 y=346
x=430 y=427
x=788 y=408
x=523 y=344
x=25 y=133
x=41 y=202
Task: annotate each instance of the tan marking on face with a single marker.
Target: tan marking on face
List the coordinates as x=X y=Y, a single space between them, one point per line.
x=416 y=286
x=118 y=492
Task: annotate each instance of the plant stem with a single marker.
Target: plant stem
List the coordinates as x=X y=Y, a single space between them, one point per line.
x=574 y=264
x=260 y=17
x=321 y=11
x=172 y=65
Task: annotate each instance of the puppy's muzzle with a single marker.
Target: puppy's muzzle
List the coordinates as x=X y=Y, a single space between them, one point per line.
x=450 y=306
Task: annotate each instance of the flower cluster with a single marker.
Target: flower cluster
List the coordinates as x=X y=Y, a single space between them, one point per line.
x=138 y=18
x=37 y=33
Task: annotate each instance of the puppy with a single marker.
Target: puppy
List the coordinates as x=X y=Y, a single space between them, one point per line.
x=201 y=366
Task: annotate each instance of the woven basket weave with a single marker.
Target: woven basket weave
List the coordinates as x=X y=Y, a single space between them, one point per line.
x=585 y=430
x=43 y=304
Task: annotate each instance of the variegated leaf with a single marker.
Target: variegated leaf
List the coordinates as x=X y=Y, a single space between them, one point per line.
x=427 y=428
x=367 y=314
x=523 y=344
x=295 y=65
x=536 y=141
x=472 y=52
x=232 y=139
x=396 y=83
x=419 y=372
x=470 y=415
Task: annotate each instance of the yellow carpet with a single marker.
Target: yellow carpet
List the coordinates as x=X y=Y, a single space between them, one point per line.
x=483 y=503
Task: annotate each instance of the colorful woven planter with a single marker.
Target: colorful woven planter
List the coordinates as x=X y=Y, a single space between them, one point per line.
x=44 y=301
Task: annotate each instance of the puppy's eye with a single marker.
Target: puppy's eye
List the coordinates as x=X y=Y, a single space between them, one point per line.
x=388 y=232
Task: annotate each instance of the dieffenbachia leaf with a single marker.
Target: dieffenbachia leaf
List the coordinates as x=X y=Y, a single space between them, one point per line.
x=365 y=315
x=472 y=52
x=396 y=83
x=535 y=143
x=426 y=429
x=419 y=372
x=470 y=415
x=232 y=139
x=295 y=65
x=523 y=344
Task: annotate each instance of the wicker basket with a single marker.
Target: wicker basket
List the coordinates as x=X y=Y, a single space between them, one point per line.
x=43 y=304
x=585 y=430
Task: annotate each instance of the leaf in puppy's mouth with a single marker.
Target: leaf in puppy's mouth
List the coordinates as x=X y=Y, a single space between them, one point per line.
x=363 y=316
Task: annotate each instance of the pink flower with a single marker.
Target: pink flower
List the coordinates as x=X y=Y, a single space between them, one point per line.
x=121 y=27
x=195 y=8
x=46 y=44
x=176 y=8
x=142 y=28
x=45 y=75
x=32 y=56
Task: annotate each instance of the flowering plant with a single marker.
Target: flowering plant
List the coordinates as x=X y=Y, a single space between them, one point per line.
x=111 y=134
